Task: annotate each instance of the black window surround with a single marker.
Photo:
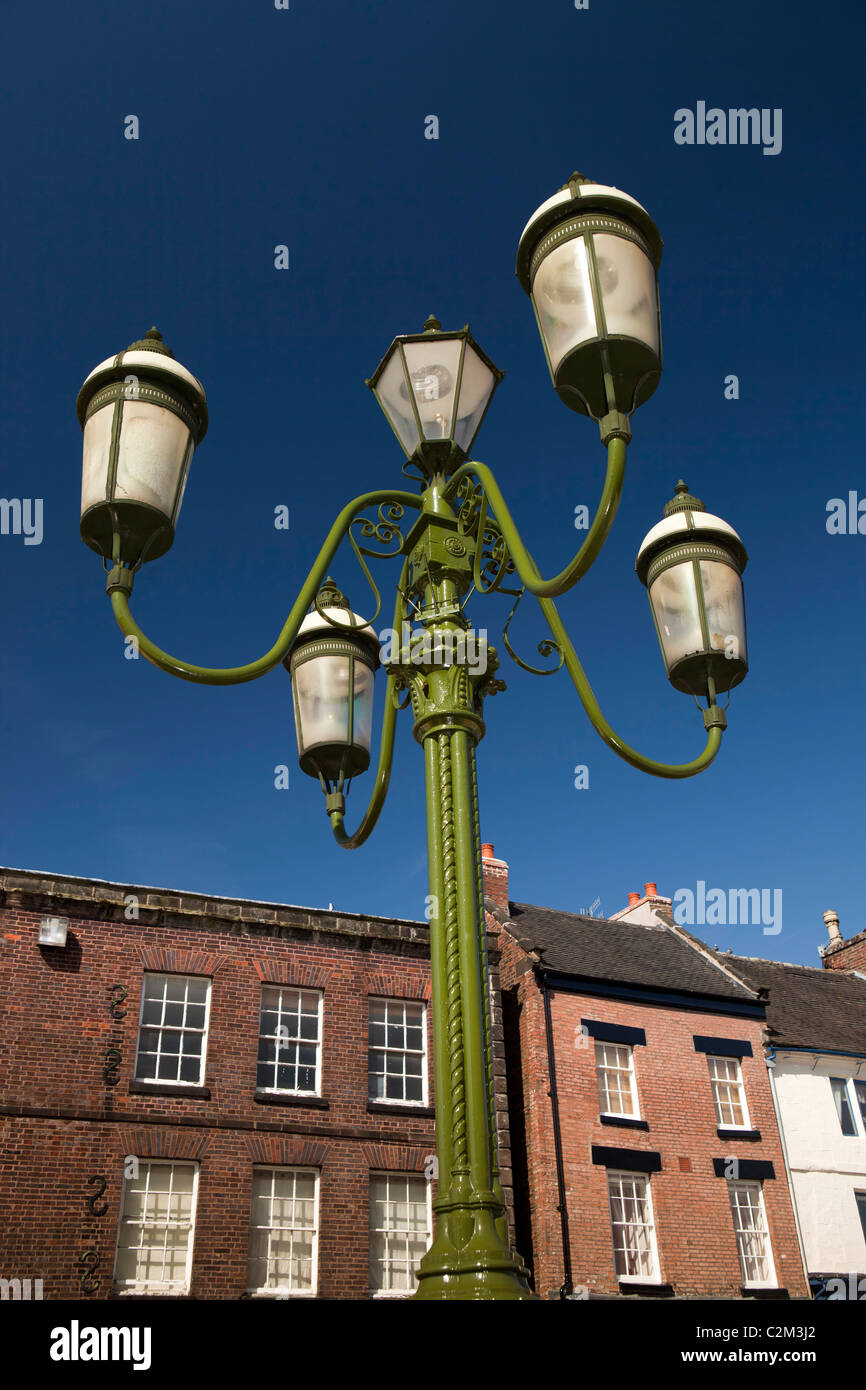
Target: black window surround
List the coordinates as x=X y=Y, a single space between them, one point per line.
x=630 y=1160
x=291 y=1098
x=613 y=1033
x=748 y=1169
x=723 y=1047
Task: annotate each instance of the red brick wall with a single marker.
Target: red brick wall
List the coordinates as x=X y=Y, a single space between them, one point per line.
x=60 y=1123
x=848 y=955
x=694 y=1228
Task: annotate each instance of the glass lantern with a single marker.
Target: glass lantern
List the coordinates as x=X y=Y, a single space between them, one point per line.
x=142 y=414
x=589 y=258
x=332 y=663
x=692 y=564
x=435 y=388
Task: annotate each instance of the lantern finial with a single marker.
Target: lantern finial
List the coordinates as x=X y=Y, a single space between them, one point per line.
x=329 y=596
x=432 y=324
x=682 y=501
x=151 y=342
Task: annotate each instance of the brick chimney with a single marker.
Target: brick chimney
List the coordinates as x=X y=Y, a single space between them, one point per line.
x=840 y=954
x=643 y=907
x=495 y=879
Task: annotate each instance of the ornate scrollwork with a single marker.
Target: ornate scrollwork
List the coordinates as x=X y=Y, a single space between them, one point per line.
x=90 y=1260
x=383 y=531
x=110 y=1071
x=93 y=1197
x=546 y=647
x=492 y=562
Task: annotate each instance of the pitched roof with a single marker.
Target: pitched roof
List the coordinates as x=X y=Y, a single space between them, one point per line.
x=630 y=953
x=809 y=1007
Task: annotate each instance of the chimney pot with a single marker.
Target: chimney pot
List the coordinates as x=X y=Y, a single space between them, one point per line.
x=650 y=890
x=633 y=899
x=487 y=852
x=831 y=922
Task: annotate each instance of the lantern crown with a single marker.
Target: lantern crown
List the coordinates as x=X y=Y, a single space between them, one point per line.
x=588 y=258
x=434 y=388
x=143 y=414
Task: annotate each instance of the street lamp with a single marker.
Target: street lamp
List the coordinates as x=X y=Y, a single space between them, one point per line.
x=588 y=257
x=332 y=665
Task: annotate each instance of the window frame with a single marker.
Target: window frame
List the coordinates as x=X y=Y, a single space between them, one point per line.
x=282 y=1292
x=635 y=1113
x=182 y=1029
x=421 y=1004
x=860 y=1206
x=619 y=1174
x=741 y=1090
x=753 y=1184
x=856 y=1107
x=411 y=1176
x=137 y=1287
x=284 y=1090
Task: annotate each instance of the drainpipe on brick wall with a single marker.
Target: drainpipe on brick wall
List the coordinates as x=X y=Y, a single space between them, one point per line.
x=770 y=1061
x=567 y=1285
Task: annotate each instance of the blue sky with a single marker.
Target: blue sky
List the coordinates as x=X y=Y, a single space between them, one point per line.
x=305 y=127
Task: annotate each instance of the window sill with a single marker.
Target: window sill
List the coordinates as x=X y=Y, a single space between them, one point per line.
x=390 y=1107
x=626 y=1121
x=159 y=1088
x=762 y=1291
x=729 y=1132
x=276 y=1098
x=629 y=1286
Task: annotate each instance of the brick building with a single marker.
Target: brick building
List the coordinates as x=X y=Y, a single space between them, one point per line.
x=212 y=1097
x=641 y=1113
x=225 y=1099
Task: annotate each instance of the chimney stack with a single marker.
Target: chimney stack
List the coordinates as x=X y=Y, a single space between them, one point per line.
x=831 y=922
x=495 y=879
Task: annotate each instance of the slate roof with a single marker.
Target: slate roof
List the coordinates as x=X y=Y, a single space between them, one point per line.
x=648 y=957
x=815 y=1008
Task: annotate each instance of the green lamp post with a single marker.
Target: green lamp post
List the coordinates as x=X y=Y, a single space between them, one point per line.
x=589 y=258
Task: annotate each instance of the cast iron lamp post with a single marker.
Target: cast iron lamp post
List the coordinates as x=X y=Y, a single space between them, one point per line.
x=589 y=258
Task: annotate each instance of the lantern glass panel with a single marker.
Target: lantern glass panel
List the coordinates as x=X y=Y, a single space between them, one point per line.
x=321 y=693
x=563 y=299
x=726 y=618
x=154 y=452
x=433 y=367
x=628 y=289
x=97 y=445
x=674 y=600
x=395 y=401
x=363 y=713
x=476 y=388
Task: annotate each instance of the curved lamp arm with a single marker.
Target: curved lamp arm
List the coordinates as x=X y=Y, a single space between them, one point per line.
x=595 y=537
x=235 y=675
x=600 y=724
x=386 y=750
